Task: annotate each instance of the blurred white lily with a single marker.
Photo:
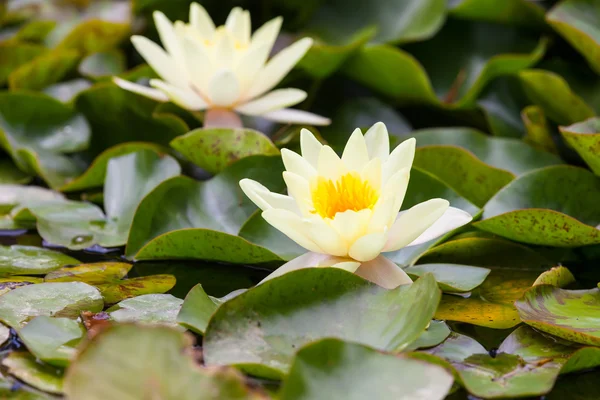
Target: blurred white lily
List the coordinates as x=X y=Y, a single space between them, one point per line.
x=223 y=70
x=345 y=212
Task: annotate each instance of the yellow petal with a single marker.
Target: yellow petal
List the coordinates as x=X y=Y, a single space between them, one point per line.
x=413 y=222
x=327 y=238
x=402 y=157
x=351 y=224
x=368 y=247
x=378 y=141
x=384 y=273
x=292 y=226
x=355 y=155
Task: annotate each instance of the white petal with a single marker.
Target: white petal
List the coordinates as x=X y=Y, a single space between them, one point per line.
x=265 y=199
x=238 y=24
x=327 y=238
x=142 y=90
x=355 y=154
x=368 y=247
x=351 y=224
x=396 y=187
x=201 y=21
x=453 y=218
x=383 y=214
x=378 y=141
x=223 y=88
x=274 y=100
x=279 y=66
x=330 y=166
x=413 y=222
x=402 y=157
x=184 y=98
x=168 y=37
x=299 y=189
x=249 y=65
x=350 y=266
x=291 y=116
x=310 y=147
x=297 y=164
x=224 y=52
x=372 y=173
x=159 y=60
x=383 y=272
x=308 y=260
x=292 y=226
x=267 y=34
x=197 y=63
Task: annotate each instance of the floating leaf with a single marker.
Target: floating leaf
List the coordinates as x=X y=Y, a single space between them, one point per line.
x=94 y=36
x=92 y=274
x=538 y=131
x=103 y=64
x=44 y=70
x=260 y=329
x=4 y=334
x=216 y=148
x=553 y=206
x=514 y=12
x=10 y=174
x=15 y=54
x=578 y=22
x=159 y=309
x=52 y=340
x=13 y=282
x=436 y=333
x=452 y=278
x=129 y=178
x=584 y=137
x=115 y=292
x=25 y=367
x=23 y=260
x=37 y=130
x=333 y=369
x=215 y=211
x=557 y=276
x=60 y=299
x=197 y=309
x=570 y=314
x=148 y=361
x=67 y=91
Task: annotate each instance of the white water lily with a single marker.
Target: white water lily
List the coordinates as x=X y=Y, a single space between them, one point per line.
x=345 y=211
x=223 y=70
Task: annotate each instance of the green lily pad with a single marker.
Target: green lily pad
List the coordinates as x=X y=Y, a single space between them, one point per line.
x=102 y=64
x=109 y=108
x=148 y=361
x=570 y=314
x=4 y=334
x=15 y=54
x=52 y=340
x=159 y=309
x=538 y=132
x=60 y=299
x=92 y=274
x=34 y=31
x=553 y=206
x=584 y=137
x=332 y=369
x=23 y=260
x=67 y=91
x=13 y=282
x=526 y=363
x=25 y=367
x=44 y=70
x=260 y=329
x=129 y=178
x=95 y=35
x=117 y=291
x=460 y=169
x=397 y=22
x=217 y=148
x=514 y=269
x=557 y=276
x=37 y=130
x=11 y=174
x=578 y=22
x=452 y=278
x=436 y=333
x=197 y=309
x=215 y=211
x=95 y=175
x=514 y=12
x=502 y=153
x=553 y=94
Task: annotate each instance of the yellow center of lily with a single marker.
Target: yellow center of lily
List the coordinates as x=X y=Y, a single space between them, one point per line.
x=349 y=192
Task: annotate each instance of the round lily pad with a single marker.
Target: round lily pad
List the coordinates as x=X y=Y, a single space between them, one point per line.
x=23 y=260
x=25 y=367
x=452 y=278
x=149 y=309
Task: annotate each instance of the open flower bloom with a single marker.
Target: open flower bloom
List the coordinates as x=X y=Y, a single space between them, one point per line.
x=223 y=69
x=345 y=212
